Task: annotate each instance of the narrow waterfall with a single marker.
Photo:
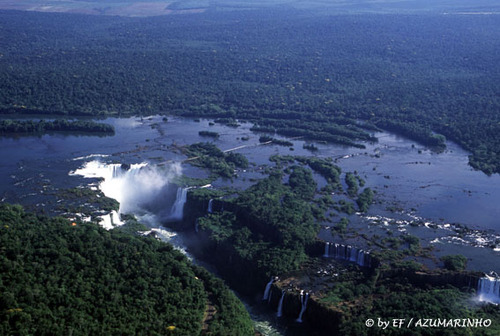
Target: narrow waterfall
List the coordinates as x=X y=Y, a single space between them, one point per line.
x=178 y=207
x=196 y=229
x=268 y=289
x=115 y=218
x=303 y=302
x=348 y=253
x=488 y=288
x=280 y=304
x=209 y=210
x=327 y=250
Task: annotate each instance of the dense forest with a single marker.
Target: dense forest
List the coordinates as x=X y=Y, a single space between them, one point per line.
x=59 y=277
x=18 y=127
x=333 y=78
x=271 y=227
x=208 y=156
x=363 y=296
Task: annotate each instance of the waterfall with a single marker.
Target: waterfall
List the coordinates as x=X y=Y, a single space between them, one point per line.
x=137 y=187
x=268 y=289
x=280 y=304
x=196 y=225
x=115 y=218
x=178 y=207
x=488 y=288
x=209 y=210
x=303 y=302
x=270 y=295
x=327 y=249
x=348 y=253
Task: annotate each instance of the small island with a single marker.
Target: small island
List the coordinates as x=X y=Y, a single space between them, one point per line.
x=30 y=127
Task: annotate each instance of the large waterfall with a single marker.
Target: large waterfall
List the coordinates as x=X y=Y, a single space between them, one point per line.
x=488 y=288
x=139 y=188
x=347 y=253
x=303 y=303
x=280 y=304
x=178 y=207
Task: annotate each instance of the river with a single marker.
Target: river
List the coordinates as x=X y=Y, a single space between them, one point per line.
x=412 y=183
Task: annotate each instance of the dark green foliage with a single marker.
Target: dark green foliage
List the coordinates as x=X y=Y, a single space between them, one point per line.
x=454 y=262
x=341 y=226
x=265 y=232
x=397 y=296
x=209 y=156
x=87 y=195
x=265 y=138
x=272 y=210
x=239 y=160
x=310 y=147
x=59 y=125
x=413 y=243
x=416 y=131
x=365 y=199
x=302 y=183
x=352 y=184
x=423 y=76
x=59 y=279
x=325 y=168
x=227 y=121
x=209 y=134
x=345 y=206
x=231 y=317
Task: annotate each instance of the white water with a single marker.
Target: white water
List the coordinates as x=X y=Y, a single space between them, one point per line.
x=167 y=236
x=110 y=220
x=280 y=304
x=303 y=302
x=177 y=211
x=134 y=187
x=209 y=210
x=348 y=253
x=489 y=289
x=268 y=288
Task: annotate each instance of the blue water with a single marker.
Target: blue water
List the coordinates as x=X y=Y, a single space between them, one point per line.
x=440 y=188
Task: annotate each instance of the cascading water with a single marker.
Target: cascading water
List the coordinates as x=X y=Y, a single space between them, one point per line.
x=209 y=210
x=348 y=253
x=488 y=288
x=268 y=289
x=303 y=302
x=327 y=250
x=280 y=304
x=136 y=187
x=178 y=207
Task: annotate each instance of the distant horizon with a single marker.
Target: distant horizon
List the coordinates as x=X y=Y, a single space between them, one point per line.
x=140 y=8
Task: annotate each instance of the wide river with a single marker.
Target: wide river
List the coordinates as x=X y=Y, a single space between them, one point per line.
x=412 y=184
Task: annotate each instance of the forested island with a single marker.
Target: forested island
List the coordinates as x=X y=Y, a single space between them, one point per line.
x=29 y=127
x=334 y=78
